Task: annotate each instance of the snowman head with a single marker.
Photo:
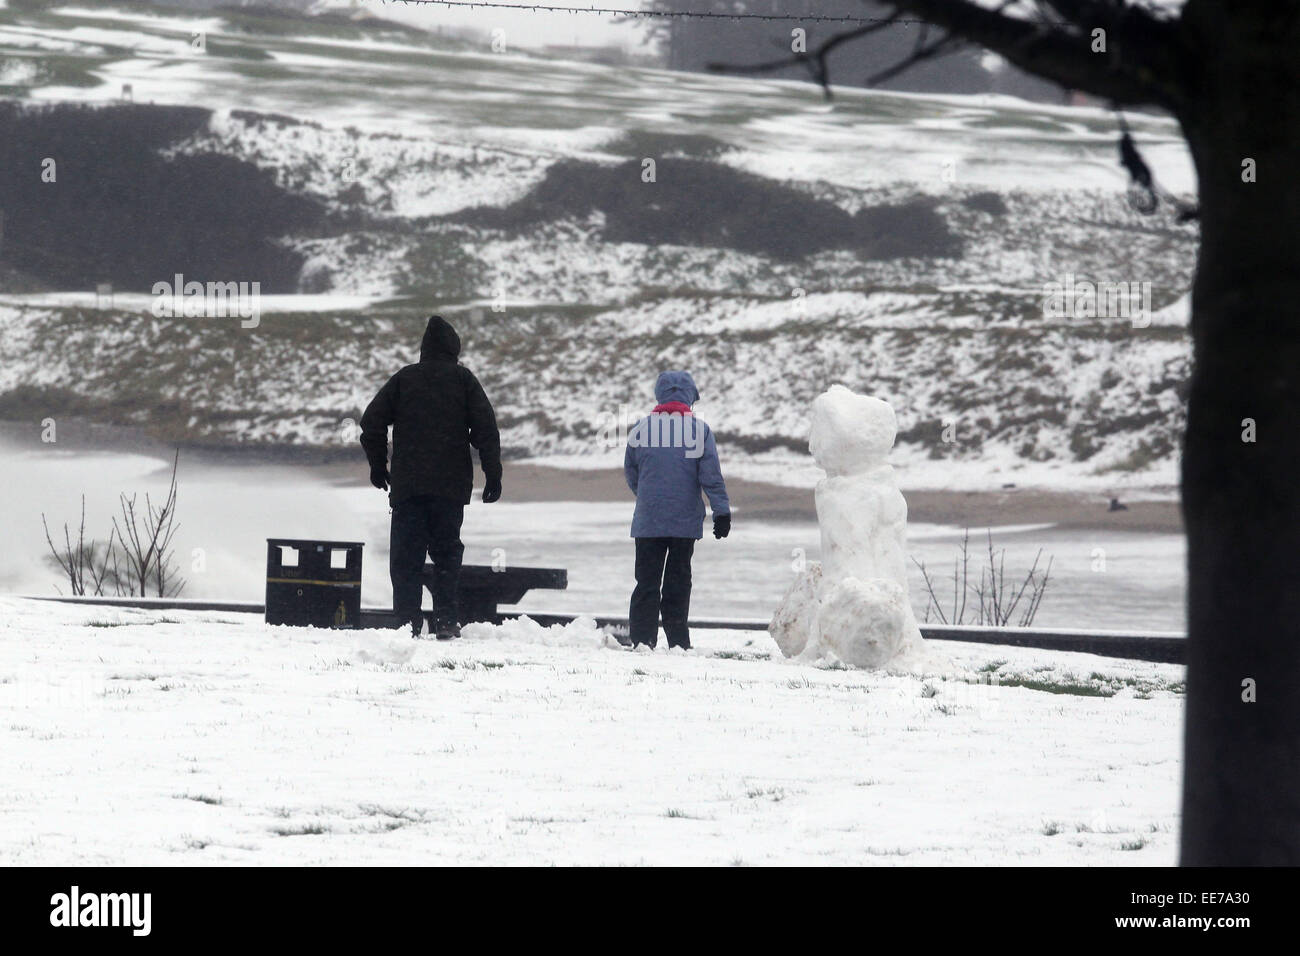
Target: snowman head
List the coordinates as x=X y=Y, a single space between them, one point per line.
x=851 y=433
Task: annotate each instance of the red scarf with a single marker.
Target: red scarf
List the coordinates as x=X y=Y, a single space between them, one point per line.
x=673 y=408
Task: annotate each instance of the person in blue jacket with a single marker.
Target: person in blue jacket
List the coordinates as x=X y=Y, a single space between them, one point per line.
x=670 y=459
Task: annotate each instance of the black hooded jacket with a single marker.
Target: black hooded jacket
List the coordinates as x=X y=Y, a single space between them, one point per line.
x=437 y=409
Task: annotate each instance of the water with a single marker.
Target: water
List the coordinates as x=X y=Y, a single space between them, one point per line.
x=1100 y=579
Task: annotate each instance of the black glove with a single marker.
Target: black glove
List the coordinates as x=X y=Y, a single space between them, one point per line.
x=721 y=525
x=379 y=476
x=492 y=490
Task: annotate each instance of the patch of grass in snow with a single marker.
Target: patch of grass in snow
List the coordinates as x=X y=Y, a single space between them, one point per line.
x=990 y=667
x=404 y=814
x=775 y=794
x=895 y=851
x=1137 y=844
x=674 y=814
x=140 y=623
x=1051 y=828
x=732 y=656
x=1095 y=685
x=1057 y=687
x=201 y=798
x=301 y=829
x=798 y=683
x=929 y=690
x=449 y=664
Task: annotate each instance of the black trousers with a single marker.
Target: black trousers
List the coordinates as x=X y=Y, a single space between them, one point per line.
x=425 y=525
x=663 y=587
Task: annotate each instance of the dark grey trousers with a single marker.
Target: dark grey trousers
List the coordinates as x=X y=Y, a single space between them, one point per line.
x=425 y=525
x=663 y=589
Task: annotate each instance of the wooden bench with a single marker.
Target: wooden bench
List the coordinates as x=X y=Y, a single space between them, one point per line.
x=483 y=587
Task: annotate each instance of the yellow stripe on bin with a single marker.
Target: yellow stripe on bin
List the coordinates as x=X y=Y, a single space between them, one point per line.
x=332 y=584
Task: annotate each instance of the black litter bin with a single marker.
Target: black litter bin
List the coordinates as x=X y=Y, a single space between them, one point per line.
x=313 y=583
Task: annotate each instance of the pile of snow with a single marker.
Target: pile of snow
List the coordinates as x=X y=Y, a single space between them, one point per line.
x=853 y=607
x=383 y=646
x=397 y=647
x=580 y=632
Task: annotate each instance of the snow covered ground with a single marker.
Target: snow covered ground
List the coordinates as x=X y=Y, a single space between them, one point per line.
x=148 y=737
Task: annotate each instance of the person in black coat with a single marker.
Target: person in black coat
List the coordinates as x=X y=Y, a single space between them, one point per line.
x=437 y=410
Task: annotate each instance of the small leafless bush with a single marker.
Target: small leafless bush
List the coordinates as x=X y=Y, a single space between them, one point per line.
x=992 y=600
x=89 y=566
x=137 y=559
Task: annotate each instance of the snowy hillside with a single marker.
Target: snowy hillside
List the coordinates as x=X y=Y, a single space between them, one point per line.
x=152 y=738
x=906 y=254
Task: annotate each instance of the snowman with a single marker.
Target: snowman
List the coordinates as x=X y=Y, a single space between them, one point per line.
x=853 y=606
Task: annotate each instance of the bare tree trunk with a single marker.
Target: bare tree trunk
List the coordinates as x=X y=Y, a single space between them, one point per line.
x=1241 y=499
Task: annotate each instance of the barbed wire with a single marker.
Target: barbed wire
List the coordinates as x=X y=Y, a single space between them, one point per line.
x=656 y=14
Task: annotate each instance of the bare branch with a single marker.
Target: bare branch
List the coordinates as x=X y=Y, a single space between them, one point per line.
x=934 y=600
x=945 y=44
x=815 y=62
x=1143 y=62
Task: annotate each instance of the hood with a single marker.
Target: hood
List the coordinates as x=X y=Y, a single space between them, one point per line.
x=440 y=341
x=676 y=387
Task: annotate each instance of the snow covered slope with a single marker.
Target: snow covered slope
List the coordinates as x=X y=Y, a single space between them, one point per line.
x=899 y=244
x=151 y=738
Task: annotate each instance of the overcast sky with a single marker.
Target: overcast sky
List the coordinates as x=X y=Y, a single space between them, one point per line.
x=525 y=28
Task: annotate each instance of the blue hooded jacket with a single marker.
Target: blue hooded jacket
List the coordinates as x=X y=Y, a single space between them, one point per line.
x=670 y=459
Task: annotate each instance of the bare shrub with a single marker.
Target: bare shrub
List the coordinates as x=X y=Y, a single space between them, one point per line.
x=992 y=600
x=137 y=559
